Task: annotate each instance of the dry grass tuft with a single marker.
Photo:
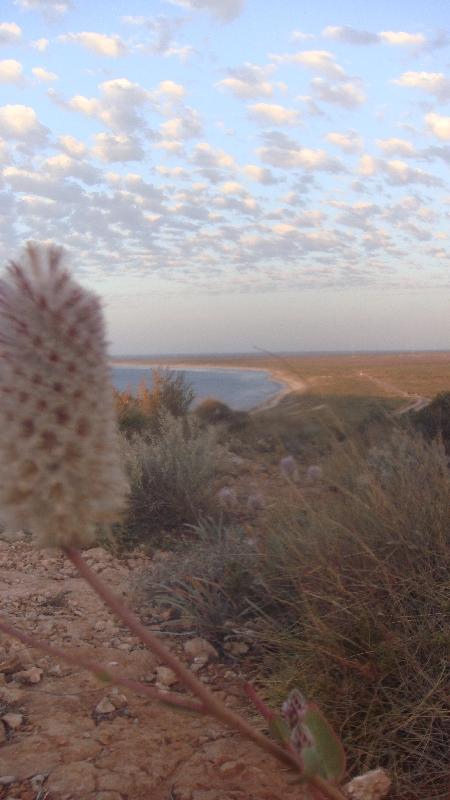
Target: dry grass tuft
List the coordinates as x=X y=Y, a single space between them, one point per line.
x=360 y=588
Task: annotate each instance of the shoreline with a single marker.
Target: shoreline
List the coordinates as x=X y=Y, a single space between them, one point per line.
x=288 y=383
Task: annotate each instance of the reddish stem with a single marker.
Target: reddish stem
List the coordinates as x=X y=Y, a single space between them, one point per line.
x=211 y=704
x=170 y=698
x=259 y=704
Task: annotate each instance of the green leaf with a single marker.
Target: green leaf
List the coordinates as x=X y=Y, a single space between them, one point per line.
x=280 y=729
x=325 y=754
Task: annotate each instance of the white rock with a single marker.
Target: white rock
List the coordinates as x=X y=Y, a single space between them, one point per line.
x=5 y=780
x=165 y=676
x=105 y=706
x=373 y=785
x=237 y=648
x=199 y=648
x=13 y=721
x=31 y=675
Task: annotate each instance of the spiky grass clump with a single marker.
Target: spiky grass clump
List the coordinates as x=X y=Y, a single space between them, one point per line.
x=60 y=471
x=359 y=584
x=171 y=473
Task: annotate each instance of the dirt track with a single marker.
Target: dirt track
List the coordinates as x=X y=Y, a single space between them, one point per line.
x=65 y=749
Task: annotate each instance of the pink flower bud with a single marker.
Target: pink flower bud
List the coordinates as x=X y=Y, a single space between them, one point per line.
x=60 y=470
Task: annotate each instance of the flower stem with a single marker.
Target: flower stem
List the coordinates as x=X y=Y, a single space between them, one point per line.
x=170 y=698
x=211 y=704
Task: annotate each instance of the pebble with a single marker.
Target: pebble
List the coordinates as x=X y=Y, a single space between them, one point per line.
x=198 y=647
x=165 y=676
x=5 y=780
x=13 y=721
x=32 y=675
x=105 y=706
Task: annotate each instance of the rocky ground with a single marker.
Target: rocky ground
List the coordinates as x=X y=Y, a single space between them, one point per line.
x=64 y=736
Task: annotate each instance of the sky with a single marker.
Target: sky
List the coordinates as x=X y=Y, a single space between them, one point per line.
x=236 y=174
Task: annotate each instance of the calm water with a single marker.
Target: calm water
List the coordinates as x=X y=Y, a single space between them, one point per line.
x=239 y=388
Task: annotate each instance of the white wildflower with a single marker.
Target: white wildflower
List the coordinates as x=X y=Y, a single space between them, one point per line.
x=60 y=472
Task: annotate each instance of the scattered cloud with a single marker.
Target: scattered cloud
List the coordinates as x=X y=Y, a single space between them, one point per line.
x=259 y=174
x=393 y=146
x=321 y=61
x=300 y=36
x=224 y=10
x=55 y=8
x=350 y=142
x=72 y=146
x=120 y=147
x=282 y=152
x=272 y=113
x=434 y=83
x=121 y=105
x=10 y=33
x=401 y=173
x=44 y=75
x=99 y=43
x=402 y=39
x=250 y=81
x=21 y=122
x=438 y=125
x=40 y=45
x=11 y=71
x=349 y=35
x=368 y=165
x=347 y=94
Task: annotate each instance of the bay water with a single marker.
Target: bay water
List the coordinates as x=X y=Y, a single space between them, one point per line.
x=241 y=389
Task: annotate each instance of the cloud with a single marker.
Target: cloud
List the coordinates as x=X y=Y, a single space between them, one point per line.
x=10 y=33
x=259 y=174
x=55 y=8
x=225 y=10
x=171 y=90
x=368 y=165
x=44 y=75
x=401 y=38
x=344 y=33
x=72 y=146
x=162 y=31
x=272 y=113
x=250 y=81
x=99 y=43
x=120 y=147
x=321 y=61
x=439 y=125
x=11 y=71
x=40 y=45
x=347 y=94
x=186 y=126
x=395 y=146
x=120 y=106
x=231 y=187
x=349 y=142
x=434 y=83
x=21 y=122
x=401 y=173
x=204 y=155
x=62 y=166
x=300 y=36
x=282 y=152
x=349 y=35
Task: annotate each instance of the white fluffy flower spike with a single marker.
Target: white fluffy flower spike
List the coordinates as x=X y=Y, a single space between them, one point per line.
x=60 y=471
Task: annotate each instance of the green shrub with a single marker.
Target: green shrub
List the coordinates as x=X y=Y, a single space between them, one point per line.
x=433 y=421
x=170 y=472
x=211 y=581
x=170 y=394
x=359 y=588
x=213 y=412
